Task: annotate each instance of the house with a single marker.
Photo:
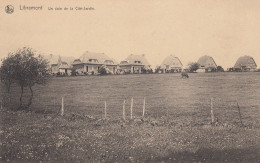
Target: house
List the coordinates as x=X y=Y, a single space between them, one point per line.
x=245 y=63
x=59 y=64
x=171 y=64
x=90 y=63
x=135 y=64
x=206 y=64
x=64 y=68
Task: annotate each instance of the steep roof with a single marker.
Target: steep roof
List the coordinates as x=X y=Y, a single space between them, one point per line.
x=247 y=61
x=92 y=57
x=55 y=59
x=206 y=62
x=171 y=61
x=134 y=59
x=64 y=66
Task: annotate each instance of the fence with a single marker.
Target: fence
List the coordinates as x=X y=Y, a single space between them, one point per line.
x=207 y=111
x=183 y=110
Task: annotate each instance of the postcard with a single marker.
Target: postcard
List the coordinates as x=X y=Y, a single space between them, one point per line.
x=130 y=81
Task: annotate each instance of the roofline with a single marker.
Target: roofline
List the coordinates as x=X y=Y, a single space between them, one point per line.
x=173 y=57
x=245 y=56
x=254 y=61
x=93 y=64
x=132 y=65
x=179 y=61
x=209 y=57
x=87 y=63
x=214 y=61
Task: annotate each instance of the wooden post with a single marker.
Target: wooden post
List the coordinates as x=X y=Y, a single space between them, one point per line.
x=131 y=114
x=62 y=106
x=105 y=110
x=124 y=110
x=167 y=112
x=143 y=108
x=240 y=117
x=212 y=112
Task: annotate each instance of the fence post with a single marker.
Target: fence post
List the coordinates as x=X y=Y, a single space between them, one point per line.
x=124 y=110
x=167 y=113
x=143 y=108
x=212 y=112
x=131 y=115
x=62 y=106
x=240 y=117
x=105 y=110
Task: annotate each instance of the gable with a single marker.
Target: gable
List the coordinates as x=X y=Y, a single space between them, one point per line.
x=206 y=62
x=171 y=61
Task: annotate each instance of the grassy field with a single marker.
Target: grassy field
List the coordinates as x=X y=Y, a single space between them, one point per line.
x=176 y=126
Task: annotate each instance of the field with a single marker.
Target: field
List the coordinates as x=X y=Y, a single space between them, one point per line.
x=176 y=126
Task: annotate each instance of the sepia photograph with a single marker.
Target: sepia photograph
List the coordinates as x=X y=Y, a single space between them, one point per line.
x=157 y=81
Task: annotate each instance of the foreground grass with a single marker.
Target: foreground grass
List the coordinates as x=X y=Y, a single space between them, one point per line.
x=32 y=136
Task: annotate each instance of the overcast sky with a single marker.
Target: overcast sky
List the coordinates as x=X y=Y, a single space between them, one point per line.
x=188 y=29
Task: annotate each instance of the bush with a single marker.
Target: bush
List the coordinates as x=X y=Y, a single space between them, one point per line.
x=147 y=71
x=102 y=70
x=74 y=72
x=158 y=69
x=193 y=66
x=220 y=69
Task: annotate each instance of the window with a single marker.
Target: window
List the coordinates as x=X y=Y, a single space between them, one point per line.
x=124 y=62
x=93 y=60
x=109 y=62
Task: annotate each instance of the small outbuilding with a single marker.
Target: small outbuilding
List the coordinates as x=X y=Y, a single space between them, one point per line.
x=245 y=63
x=206 y=64
x=171 y=64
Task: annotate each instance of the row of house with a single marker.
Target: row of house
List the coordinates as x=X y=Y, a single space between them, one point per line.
x=207 y=64
x=90 y=63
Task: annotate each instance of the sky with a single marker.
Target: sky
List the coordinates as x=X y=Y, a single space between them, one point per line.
x=188 y=29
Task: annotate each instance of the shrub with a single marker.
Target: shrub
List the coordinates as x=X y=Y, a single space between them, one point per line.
x=102 y=70
x=74 y=72
x=193 y=66
x=220 y=69
x=158 y=69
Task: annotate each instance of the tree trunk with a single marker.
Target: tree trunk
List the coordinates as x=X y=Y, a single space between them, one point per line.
x=21 y=98
x=30 y=100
